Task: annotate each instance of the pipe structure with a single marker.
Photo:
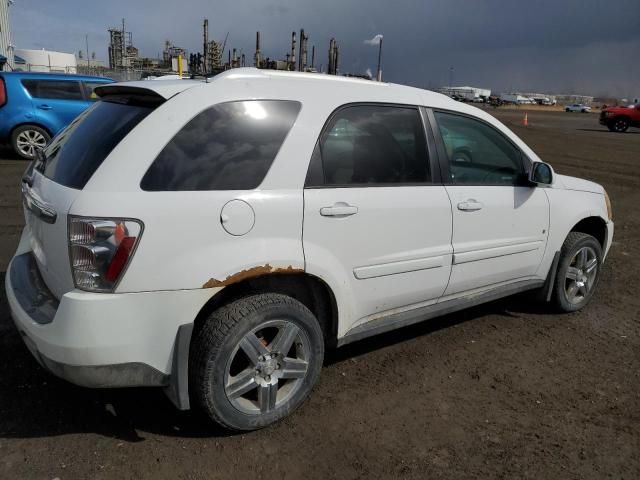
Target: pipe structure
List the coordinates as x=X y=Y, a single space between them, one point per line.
x=256 y=57
x=205 y=44
x=292 y=59
x=379 y=72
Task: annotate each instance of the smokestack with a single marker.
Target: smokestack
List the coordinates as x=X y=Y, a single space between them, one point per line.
x=256 y=58
x=379 y=72
x=205 y=44
x=313 y=56
x=302 y=56
x=333 y=57
x=292 y=59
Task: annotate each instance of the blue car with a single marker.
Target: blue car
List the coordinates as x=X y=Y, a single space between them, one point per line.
x=34 y=107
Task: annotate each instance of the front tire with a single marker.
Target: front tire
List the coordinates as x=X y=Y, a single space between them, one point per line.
x=255 y=361
x=26 y=139
x=620 y=125
x=578 y=272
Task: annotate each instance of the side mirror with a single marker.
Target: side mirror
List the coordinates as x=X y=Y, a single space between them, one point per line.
x=541 y=174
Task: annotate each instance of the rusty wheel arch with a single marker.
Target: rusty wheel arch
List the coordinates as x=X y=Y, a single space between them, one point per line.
x=308 y=289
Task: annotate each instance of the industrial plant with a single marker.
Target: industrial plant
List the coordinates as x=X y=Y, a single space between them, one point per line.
x=125 y=61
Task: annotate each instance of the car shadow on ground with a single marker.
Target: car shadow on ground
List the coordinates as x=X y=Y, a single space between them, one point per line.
x=600 y=130
x=34 y=403
x=7 y=153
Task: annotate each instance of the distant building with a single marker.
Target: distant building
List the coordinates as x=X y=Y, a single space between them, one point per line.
x=44 y=61
x=567 y=99
x=6 y=48
x=467 y=93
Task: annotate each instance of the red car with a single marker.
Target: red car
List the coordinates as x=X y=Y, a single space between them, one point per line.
x=619 y=119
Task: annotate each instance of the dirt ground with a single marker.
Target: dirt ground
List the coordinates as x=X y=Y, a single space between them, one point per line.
x=505 y=390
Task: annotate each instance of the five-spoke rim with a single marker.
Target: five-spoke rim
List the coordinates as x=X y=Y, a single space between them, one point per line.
x=30 y=140
x=581 y=275
x=267 y=367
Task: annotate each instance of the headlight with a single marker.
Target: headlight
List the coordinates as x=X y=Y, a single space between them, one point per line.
x=607 y=201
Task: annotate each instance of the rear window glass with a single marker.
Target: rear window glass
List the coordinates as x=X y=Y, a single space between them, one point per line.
x=76 y=153
x=54 y=89
x=229 y=146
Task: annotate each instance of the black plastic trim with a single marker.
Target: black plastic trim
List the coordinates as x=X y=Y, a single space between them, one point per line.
x=551 y=277
x=178 y=388
x=32 y=293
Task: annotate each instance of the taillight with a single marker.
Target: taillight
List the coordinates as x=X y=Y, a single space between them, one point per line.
x=100 y=250
x=3 y=92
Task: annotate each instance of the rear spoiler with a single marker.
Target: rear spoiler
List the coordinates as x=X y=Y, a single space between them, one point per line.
x=118 y=93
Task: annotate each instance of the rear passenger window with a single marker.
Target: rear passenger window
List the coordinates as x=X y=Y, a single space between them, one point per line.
x=54 y=89
x=371 y=145
x=229 y=146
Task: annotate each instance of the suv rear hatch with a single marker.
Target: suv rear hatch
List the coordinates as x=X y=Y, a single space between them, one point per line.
x=56 y=178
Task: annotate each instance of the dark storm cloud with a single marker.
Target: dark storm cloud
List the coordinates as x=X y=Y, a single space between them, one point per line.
x=561 y=46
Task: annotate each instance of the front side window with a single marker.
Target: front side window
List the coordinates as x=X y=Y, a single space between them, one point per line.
x=54 y=89
x=478 y=154
x=229 y=146
x=371 y=145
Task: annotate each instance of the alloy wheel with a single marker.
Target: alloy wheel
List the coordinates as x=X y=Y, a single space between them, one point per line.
x=28 y=141
x=581 y=275
x=267 y=367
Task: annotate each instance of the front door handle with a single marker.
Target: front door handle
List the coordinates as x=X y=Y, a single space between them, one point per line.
x=339 y=209
x=470 y=205
x=44 y=106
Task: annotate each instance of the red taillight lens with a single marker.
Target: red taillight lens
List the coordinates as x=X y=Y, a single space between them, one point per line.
x=120 y=258
x=100 y=250
x=3 y=92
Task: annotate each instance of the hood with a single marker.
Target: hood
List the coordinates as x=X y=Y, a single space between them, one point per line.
x=618 y=109
x=578 y=184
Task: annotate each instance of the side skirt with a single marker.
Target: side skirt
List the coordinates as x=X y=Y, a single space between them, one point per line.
x=403 y=319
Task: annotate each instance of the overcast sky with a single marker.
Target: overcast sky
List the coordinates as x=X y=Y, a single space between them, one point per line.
x=555 y=46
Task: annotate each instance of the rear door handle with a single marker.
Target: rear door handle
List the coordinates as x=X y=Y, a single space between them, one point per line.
x=44 y=106
x=470 y=205
x=339 y=209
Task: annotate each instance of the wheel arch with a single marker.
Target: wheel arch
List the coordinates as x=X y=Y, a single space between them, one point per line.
x=35 y=124
x=308 y=289
x=594 y=226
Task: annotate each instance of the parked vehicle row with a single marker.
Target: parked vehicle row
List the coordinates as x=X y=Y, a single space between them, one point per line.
x=215 y=238
x=34 y=107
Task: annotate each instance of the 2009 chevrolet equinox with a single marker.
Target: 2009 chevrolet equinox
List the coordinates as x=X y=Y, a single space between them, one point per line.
x=212 y=237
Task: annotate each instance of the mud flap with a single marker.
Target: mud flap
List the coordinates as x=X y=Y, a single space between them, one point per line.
x=178 y=388
x=551 y=278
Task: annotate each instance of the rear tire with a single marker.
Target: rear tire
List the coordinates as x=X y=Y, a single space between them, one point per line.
x=578 y=272
x=25 y=139
x=255 y=361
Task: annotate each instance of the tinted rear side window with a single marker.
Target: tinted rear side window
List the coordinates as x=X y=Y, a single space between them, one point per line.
x=229 y=146
x=54 y=89
x=77 y=152
x=371 y=145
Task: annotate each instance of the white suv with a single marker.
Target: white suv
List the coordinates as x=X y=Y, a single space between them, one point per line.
x=213 y=237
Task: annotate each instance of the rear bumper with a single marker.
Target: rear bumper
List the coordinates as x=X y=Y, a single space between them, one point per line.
x=96 y=339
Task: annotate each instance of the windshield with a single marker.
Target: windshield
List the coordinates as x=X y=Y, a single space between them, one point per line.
x=78 y=151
